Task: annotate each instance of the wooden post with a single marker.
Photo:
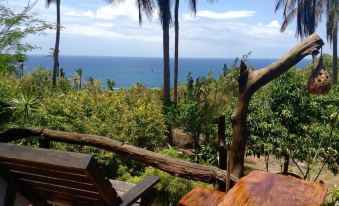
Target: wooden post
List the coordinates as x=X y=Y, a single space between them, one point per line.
x=249 y=82
x=222 y=150
x=228 y=175
x=44 y=143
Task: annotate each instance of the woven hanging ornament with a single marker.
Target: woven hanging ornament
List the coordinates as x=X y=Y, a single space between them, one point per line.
x=319 y=82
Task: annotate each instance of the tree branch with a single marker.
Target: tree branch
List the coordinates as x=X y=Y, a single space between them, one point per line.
x=261 y=77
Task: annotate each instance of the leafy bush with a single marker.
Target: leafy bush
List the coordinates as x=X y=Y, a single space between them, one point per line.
x=169 y=189
x=335 y=195
x=132 y=116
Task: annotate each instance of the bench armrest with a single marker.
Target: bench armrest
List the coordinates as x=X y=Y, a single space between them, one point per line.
x=138 y=191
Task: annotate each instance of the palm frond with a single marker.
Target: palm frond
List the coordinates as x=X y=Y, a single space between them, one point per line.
x=307 y=12
x=147 y=7
x=332 y=15
x=193 y=6
x=49 y=2
x=165 y=15
x=114 y=2
x=288 y=19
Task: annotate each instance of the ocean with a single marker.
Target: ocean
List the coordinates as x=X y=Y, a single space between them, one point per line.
x=127 y=71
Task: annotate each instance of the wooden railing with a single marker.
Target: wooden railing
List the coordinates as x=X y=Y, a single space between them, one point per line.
x=173 y=166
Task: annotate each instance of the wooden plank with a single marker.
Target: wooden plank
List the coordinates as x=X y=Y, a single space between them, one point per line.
x=56 y=181
x=59 y=188
x=16 y=168
x=10 y=193
x=43 y=157
x=3 y=187
x=58 y=196
x=103 y=185
x=121 y=187
x=23 y=188
x=19 y=200
x=139 y=190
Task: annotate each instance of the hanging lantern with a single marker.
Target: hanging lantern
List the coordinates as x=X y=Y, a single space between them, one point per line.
x=319 y=82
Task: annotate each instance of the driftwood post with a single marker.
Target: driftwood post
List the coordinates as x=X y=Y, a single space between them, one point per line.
x=249 y=82
x=222 y=150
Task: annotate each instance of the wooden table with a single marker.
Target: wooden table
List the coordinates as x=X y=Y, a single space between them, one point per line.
x=261 y=189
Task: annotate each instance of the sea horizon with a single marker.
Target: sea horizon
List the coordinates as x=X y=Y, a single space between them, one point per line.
x=127 y=71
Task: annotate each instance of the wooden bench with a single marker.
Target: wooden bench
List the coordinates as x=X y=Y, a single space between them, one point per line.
x=49 y=177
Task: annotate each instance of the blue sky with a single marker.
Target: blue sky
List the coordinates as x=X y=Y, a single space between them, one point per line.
x=224 y=29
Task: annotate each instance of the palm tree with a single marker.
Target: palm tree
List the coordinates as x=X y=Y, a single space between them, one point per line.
x=79 y=72
x=57 y=41
x=176 y=49
x=144 y=6
x=308 y=13
x=110 y=84
x=166 y=20
x=332 y=15
x=147 y=6
x=193 y=8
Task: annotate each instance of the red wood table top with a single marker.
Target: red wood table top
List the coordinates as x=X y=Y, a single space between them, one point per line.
x=260 y=189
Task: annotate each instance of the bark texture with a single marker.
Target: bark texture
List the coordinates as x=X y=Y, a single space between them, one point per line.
x=56 y=47
x=335 y=55
x=249 y=82
x=176 y=51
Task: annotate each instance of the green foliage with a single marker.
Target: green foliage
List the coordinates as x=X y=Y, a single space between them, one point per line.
x=15 y=26
x=170 y=189
x=38 y=82
x=335 y=195
x=8 y=62
x=24 y=107
x=110 y=84
x=284 y=119
x=132 y=116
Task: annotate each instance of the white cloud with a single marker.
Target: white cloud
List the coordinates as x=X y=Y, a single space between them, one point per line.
x=88 y=14
x=210 y=35
x=222 y=15
x=71 y=13
x=274 y=24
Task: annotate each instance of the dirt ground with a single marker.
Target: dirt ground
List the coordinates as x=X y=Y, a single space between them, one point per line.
x=274 y=166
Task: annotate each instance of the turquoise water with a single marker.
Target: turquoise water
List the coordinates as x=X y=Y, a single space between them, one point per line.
x=127 y=71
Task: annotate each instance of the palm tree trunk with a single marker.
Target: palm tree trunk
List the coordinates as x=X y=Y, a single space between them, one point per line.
x=176 y=52
x=56 y=48
x=335 y=53
x=167 y=96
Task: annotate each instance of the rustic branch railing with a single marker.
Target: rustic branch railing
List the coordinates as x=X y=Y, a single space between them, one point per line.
x=176 y=167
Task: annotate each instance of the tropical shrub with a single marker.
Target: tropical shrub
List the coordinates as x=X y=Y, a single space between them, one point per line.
x=169 y=189
x=131 y=116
